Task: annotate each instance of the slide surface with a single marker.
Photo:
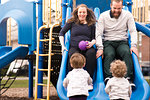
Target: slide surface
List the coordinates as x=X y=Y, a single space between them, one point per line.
x=142 y=91
x=98 y=83
x=7 y=55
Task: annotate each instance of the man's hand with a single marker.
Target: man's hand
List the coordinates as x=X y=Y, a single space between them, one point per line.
x=99 y=53
x=135 y=50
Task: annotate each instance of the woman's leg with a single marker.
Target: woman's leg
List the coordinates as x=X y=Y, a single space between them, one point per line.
x=72 y=50
x=90 y=55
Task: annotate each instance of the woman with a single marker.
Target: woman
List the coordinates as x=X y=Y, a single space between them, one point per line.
x=82 y=26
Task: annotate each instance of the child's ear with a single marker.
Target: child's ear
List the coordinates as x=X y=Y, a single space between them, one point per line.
x=84 y=65
x=71 y=65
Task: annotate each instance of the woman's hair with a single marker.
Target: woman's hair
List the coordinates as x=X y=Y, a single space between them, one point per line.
x=118 y=68
x=77 y=60
x=90 y=18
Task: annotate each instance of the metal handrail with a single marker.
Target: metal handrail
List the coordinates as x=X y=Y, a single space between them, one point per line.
x=49 y=57
x=37 y=58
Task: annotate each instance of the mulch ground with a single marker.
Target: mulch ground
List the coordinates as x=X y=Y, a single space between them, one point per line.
x=22 y=94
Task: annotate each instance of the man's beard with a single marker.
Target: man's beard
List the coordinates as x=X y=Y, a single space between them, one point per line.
x=113 y=12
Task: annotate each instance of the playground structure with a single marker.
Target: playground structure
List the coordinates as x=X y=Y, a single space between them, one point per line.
x=47 y=48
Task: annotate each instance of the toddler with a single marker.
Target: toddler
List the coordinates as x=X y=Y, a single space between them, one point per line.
x=118 y=87
x=78 y=79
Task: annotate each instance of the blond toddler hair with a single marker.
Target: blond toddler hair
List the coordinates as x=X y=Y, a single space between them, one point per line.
x=118 y=68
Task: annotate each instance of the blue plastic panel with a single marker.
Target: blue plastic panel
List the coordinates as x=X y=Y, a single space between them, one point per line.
x=24 y=13
x=103 y=5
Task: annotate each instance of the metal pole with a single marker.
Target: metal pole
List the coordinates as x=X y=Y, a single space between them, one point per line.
x=40 y=73
x=30 y=75
x=64 y=10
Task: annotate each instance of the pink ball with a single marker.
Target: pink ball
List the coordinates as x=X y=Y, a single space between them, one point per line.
x=82 y=45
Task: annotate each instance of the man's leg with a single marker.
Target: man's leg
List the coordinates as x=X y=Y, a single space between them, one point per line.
x=109 y=56
x=124 y=53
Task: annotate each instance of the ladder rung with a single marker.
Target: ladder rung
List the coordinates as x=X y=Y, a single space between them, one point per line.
x=42 y=84
x=46 y=54
x=58 y=53
x=46 y=39
x=52 y=54
x=43 y=54
x=40 y=99
x=45 y=69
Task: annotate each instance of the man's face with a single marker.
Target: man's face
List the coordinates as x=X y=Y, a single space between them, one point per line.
x=116 y=8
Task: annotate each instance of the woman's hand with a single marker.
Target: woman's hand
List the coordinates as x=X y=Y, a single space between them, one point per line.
x=63 y=48
x=90 y=44
x=61 y=39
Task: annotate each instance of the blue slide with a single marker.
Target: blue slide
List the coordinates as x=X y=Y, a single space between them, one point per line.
x=142 y=91
x=7 y=55
x=144 y=29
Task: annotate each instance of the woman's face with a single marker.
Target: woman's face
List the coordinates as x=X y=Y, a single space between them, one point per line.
x=82 y=13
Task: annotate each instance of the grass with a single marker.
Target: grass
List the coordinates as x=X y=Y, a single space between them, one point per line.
x=24 y=83
x=20 y=83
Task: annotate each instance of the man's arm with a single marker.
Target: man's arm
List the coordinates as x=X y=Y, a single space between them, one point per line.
x=133 y=33
x=98 y=36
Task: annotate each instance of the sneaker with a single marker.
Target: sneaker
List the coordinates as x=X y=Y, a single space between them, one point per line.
x=133 y=86
x=106 y=80
x=131 y=83
x=90 y=87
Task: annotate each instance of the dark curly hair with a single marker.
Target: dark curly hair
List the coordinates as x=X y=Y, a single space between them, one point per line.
x=90 y=18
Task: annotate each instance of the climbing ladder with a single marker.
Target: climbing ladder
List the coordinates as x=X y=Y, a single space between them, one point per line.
x=49 y=45
x=49 y=54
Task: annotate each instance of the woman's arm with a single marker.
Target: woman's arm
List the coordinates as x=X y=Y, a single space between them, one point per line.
x=61 y=39
x=63 y=31
x=91 y=43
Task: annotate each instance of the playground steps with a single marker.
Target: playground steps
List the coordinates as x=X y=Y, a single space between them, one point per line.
x=51 y=54
x=9 y=77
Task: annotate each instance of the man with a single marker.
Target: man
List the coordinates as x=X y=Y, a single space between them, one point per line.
x=112 y=27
